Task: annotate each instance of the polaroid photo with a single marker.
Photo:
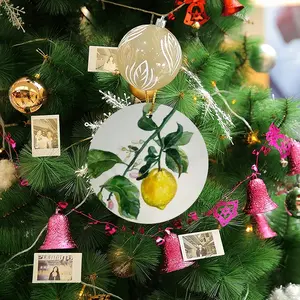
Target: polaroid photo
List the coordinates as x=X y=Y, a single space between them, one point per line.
x=45 y=135
x=201 y=245
x=103 y=59
x=57 y=267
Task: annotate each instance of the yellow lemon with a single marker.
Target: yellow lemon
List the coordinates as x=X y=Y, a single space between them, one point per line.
x=159 y=188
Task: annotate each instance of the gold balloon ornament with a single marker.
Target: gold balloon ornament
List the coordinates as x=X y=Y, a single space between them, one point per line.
x=27 y=95
x=149 y=57
x=140 y=94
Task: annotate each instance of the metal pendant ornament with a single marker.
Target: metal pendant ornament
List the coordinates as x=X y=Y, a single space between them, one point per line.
x=149 y=57
x=58 y=233
x=231 y=7
x=27 y=95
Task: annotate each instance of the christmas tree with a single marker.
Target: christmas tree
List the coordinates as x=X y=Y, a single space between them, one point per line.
x=59 y=120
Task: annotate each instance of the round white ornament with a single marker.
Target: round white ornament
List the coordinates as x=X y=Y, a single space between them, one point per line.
x=148 y=170
x=149 y=57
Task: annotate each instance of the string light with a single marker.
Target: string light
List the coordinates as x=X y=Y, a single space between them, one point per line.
x=249 y=228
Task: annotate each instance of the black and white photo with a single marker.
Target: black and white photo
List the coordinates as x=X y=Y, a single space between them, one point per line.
x=57 y=267
x=45 y=134
x=201 y=245
x=102 y=59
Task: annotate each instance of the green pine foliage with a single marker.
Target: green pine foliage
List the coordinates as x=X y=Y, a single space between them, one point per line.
x=58 y=30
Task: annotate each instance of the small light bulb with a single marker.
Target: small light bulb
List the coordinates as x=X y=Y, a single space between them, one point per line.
x=249 y=228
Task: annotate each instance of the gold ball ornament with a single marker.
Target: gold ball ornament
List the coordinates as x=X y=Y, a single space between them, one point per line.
x=149 y=57
x=122 y=264
x=27 y=95
x=140 y=94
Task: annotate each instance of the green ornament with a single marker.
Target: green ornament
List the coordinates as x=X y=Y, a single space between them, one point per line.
x=292 y=202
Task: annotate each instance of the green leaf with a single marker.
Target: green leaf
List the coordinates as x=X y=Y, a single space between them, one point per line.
x=184 y=161
x=127 y=195
x=144 y=171
x=152 y=151
x=185 y=139
x=173 y=161
x=100 y=161
x=172 y=138
x=149 y=107
x=146 y=123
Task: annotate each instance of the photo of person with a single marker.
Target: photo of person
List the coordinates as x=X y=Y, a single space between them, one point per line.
x=54 y=275
x=201 y=245
x=102 y=59
x=45 y=136
x=57 y=267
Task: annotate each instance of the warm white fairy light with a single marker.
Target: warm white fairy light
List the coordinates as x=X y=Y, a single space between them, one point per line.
x=211 y=107
x=115 y=101
x=13 y=13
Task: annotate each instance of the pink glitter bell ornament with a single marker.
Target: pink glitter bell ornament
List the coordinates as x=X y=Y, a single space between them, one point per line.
x=173 y=260
x=58 y=233
x=259 y=200
x=294 y=159
x=263 y=229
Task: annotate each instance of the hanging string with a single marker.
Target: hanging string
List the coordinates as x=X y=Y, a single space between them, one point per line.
x=142 y=10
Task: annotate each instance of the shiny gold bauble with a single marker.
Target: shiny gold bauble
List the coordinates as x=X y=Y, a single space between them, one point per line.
x=122 y=264
x=27 y=95
x=140 y=94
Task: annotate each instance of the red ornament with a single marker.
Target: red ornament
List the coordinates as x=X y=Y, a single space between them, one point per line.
x=231 y=7
x=263 y=229
x=173 y=260
x=58 y=233
x=258 y=199
x=294 y=159
x=195 y=12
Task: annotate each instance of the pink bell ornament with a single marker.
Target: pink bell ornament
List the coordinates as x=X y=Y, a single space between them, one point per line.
x=263 y=228
x=58 y=233
x=294 y=159
x=259 y=201
x=173 y=260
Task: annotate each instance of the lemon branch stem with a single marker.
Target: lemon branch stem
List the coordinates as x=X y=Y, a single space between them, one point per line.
x=151 y=137
x=161 y=150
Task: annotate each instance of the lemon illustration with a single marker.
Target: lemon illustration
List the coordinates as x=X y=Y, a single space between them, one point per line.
x=159 y=188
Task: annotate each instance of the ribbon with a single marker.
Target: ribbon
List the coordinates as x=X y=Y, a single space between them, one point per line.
x=159 y=240
x=195 y=12
x=62 y=205
x=10 y=140
x=110 y=230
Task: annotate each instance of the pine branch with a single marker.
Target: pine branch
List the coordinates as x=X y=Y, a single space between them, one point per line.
x=13 y=14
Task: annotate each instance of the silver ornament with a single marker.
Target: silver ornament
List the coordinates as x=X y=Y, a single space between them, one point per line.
x=268 y=57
